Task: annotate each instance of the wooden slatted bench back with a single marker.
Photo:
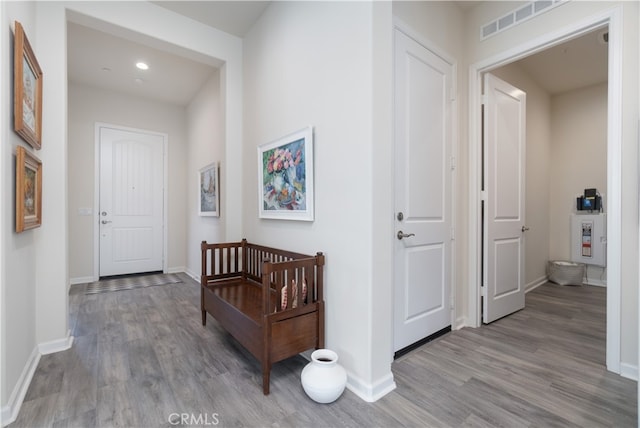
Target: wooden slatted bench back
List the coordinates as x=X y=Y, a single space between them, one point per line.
x=277 y=271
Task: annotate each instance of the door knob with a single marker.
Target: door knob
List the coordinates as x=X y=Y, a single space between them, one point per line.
x=524 y=228
x=401 y=234
x=105 y=221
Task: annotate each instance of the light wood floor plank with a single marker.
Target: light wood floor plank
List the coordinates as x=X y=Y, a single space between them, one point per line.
x=141 y=357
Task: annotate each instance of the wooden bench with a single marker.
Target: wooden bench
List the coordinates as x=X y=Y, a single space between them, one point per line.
x=257 y=294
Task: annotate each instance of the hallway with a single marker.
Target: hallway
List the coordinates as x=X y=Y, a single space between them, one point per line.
x=142 y=358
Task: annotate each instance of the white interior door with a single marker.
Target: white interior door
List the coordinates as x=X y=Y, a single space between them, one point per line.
x=504 y=200
x=423 y=187
x=131 y=209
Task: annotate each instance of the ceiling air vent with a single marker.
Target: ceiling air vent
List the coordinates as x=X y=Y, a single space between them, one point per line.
x=517 y=16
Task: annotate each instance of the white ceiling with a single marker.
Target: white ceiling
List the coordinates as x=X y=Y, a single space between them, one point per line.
x=105 y=61
x=574 y=64
x=175 y=76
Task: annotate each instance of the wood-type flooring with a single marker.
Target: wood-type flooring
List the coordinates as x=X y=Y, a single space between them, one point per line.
x=141 y=358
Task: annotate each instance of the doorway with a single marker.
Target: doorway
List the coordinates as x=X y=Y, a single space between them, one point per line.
x=612 y=19
x=130 y=200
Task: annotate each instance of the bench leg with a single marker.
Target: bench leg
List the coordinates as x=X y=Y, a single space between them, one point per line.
x=266 y=373
x=204 y=312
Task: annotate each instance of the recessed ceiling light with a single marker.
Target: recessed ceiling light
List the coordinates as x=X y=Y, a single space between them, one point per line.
x=142 y=66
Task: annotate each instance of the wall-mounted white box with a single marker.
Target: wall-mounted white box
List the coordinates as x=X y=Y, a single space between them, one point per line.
x=589 y=239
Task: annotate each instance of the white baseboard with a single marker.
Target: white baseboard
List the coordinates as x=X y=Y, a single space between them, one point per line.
x=629 y=371
x=371 y=392
x=536 y=283
x=596 y=282
x=193 y=275
x=460 y=323
x=10 y=411
x=178 y=269
x=81 y=280
x=56 y=345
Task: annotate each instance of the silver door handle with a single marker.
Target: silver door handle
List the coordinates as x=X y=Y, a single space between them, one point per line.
x=525 y=228
x=105 y=221
x=404 y=235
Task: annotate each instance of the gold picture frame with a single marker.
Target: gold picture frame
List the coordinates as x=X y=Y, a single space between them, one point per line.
x=28 y=190
x=27 y=87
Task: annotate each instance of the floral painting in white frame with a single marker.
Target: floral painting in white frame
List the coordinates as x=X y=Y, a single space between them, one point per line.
x=285 y=177
x=209 y=190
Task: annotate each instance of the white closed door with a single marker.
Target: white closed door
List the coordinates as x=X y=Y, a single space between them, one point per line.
x=423 y=187
x=131 y=201
x=504 y=201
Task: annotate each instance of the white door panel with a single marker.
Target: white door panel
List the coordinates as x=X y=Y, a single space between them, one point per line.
x=423 y=180
x=505 y=144
x=427 y=264
x=131 y=202
x=507 y=267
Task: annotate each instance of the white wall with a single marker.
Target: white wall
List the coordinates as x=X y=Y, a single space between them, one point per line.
x=52 y=269
x=310 y=63
x=205 y=127
x=578 y=162
x=537 y=169
x=88 y=105
x=18 y=252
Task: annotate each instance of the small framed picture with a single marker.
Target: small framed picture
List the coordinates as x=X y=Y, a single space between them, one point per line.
x=28 y=190
x=209 y=190
x=27 y=89
x=285 y=177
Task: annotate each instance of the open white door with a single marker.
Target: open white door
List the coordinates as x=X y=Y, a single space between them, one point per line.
x=423 y=187
x=131 y=217
x=504 y=199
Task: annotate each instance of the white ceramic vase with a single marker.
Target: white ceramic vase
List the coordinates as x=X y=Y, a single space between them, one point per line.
x=323 y=379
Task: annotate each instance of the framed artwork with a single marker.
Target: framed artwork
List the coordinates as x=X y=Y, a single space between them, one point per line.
x=27 y=89
x=209 y=190
x=28 y=190
x=285 y=177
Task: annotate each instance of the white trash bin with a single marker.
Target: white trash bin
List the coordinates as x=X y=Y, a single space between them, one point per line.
x=566 y=273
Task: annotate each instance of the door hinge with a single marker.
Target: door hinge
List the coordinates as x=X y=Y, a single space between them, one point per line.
x=452 y=162
x=453 y=234
x=484 y=99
